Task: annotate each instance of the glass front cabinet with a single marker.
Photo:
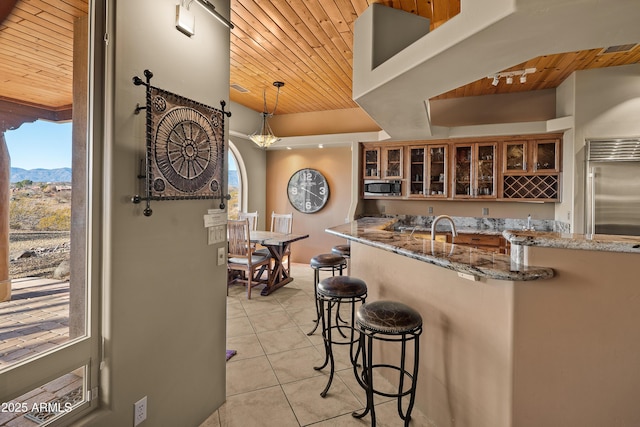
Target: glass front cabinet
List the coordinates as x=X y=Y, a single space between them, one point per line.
x=530 y=157
x=392 y=160
x=371 y=164
x=474 y=168
x=428 y=171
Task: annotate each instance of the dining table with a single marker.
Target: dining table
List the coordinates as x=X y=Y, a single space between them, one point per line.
x=277 y=244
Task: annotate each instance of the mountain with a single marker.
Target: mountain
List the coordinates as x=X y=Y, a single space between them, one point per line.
x=41 y=175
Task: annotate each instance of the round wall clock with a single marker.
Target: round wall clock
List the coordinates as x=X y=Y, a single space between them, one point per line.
x=308 y=190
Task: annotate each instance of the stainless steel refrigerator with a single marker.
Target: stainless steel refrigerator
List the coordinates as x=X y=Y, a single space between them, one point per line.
x=613 y=187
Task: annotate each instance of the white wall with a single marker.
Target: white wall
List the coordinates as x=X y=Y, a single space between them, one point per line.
x=607 y=105
x=164 y=295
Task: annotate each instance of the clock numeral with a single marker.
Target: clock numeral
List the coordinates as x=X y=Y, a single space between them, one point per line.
x=294 y=190
x=322 y=190
x=307 y=205
x=307 y=176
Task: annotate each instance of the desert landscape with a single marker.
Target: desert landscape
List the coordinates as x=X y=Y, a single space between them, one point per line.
x=39 y=221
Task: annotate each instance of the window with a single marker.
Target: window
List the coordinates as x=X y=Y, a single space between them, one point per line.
x=50 y=373
x=235 y=180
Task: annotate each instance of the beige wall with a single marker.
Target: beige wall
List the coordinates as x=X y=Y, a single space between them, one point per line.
x=464 y=376
x=335 y=165
x=577 y=341
x=323 y=123
x=163 y=295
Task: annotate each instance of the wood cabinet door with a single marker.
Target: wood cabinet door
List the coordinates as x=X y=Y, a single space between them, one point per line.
x=371 y=163
x=437 y=171
x=546 y=156
x=514 y=157
x=416 y=176
x=393 y=160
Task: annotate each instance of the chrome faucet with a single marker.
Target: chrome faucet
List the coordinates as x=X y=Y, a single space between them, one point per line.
x=454 y=233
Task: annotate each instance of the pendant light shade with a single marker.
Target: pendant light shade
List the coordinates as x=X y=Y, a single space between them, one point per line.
x=264 y=136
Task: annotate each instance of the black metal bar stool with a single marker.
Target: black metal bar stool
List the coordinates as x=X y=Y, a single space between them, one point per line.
x=324 y=262
x=393 y=322
x=336 y=291
x=345 y=252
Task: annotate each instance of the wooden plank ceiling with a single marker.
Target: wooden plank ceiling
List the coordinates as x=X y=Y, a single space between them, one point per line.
x=305 y=43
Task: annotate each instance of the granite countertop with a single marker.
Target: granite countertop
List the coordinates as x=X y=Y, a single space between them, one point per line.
x=589 y=242
x=380 y=233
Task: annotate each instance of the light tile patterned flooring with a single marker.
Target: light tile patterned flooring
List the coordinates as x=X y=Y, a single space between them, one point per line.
x=271 y=380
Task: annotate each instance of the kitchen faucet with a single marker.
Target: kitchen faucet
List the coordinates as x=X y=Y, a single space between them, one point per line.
x=454 y=233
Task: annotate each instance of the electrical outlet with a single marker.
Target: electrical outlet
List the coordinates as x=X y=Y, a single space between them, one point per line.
x=485 y=211
x=430 y=209
x=139 y=411
x=221 y=260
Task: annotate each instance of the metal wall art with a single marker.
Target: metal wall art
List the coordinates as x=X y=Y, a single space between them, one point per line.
x=184 y=156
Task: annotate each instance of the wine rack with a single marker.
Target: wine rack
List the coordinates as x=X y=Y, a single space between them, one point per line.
x=531 y=187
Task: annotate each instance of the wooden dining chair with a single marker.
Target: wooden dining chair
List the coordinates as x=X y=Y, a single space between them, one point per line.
x=283 y=223
x=242 y=258
x=252 y=217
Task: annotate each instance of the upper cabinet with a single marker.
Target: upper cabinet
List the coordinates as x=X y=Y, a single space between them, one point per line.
x=371 y=163
x=496 y=168
x=531 y=169
x=474 y=168
x=392 y=160
x=531 y=156
x=428 y=171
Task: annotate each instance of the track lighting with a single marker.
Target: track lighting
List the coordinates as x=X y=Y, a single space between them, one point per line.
x=509 y=75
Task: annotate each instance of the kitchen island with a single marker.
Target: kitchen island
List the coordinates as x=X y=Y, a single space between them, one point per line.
x=547 y=337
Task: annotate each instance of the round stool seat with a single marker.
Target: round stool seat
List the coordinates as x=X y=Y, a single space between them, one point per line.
x=342 y=250
x=342 y=287
x=388 y=317
x=326 y=260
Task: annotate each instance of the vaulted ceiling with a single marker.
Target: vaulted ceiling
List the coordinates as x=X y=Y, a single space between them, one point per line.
x=305 y=43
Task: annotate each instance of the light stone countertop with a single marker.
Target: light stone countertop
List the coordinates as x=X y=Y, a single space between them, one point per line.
x=589 y=242
x=379 y=233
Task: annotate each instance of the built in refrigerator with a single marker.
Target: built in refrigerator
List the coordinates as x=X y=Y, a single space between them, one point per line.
x=613 y=187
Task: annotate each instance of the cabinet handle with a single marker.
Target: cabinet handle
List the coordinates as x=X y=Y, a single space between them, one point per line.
x=524 y=166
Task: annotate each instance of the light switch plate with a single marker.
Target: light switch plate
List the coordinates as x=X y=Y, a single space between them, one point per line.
x=221 y=256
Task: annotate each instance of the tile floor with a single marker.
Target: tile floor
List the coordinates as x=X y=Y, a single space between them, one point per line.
x=271 y=380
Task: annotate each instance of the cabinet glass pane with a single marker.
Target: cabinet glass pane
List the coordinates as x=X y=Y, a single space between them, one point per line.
x=437 y=171
x=546 y=155
x=463 y=171
x=371 y=163
x=515 y=157
x=417 y=171
x=486 y=162
x=394 y=159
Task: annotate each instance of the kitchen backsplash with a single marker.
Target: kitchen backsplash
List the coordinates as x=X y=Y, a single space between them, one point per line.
x=483 y=223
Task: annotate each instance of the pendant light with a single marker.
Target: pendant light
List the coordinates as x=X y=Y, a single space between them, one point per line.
x=264 y=136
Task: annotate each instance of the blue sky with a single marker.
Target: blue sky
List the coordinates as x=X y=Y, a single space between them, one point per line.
x=47 y=145
x=40 y=144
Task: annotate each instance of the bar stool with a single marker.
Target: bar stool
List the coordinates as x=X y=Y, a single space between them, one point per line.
x=393 y=322
x=324 y=262
x=345 y=252
x=336 y=291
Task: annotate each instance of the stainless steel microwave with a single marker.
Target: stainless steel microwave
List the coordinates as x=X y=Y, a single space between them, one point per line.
x=385 y=187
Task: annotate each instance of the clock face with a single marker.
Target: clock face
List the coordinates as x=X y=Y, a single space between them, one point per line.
x=308 y=190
